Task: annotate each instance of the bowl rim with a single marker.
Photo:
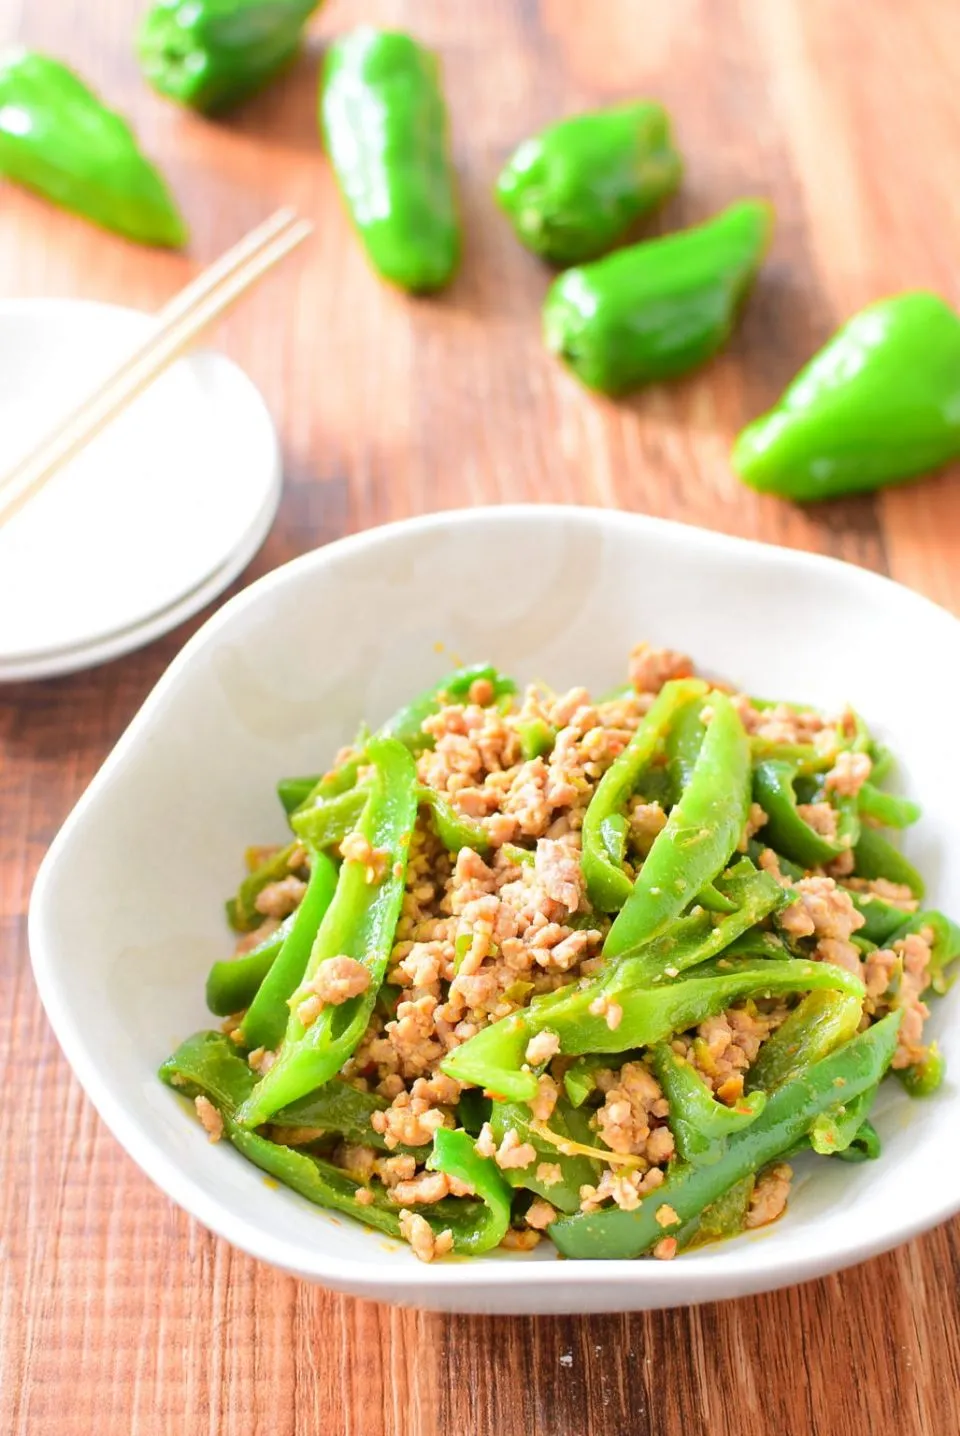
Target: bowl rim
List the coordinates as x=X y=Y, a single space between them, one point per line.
x=662 y=1283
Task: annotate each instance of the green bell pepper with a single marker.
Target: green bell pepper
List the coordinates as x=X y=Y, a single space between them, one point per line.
x=359 y=923
x=575 y=189
x=785 y=830
x=786 y=1120
x=878 y=405
x=233 y=982
x=210 y=54
x=821 y=1022
x=58 y=138
x=385 y=126
x=876 y=857
x=660 y=308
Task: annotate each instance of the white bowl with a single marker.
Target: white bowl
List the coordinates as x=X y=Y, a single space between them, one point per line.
x=126 y=914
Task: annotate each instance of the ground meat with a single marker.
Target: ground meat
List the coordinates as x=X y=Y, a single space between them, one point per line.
x=540 y=1214
x=898 y=894
x=512 y=1153
x=210 y=1118
x=908 y=960
x=520 y=1241
x=727 y=1044
x=839 y=953
x=650 y=668
x=666 y=1216
x=849 y=773
x=542 y=1047
x=768 y=1199
x=821 y=817
x=820 y=909
x=355 y=848
x=409 y=1121
x=665 y=1249
x=249 y=940
x=549 y=1174
x=624 y=1188
x=627 y=1121
x=647 y=821
x=278 y=900
x=337 y=980
x=421 y=1190
x=416 y=1230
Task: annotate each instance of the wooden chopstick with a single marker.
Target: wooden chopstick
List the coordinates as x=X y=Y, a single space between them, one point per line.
x=201 y=301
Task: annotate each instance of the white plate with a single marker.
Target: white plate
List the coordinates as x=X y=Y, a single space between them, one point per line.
x=71 y=660
x=282 y=674
x=142 y=518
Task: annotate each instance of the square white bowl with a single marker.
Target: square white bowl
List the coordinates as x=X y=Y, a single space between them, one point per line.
x=126 y=913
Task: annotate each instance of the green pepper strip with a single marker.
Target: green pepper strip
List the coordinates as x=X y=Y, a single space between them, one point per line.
x=785 y=1121
x=865 y=1145
x=360 y=923
x=835 y=1129
x=575 y=1171
x=267 y=1017
x=453 y=829
x=882 y=918
x=683 y=744
x=536 y=738
x=726 y=1217
x=923 y=1078
x=580 y=1078
x=242 y=913
x=702 y=831
x=814 y=1029
x=785 y=830
x=886 y=808
x=945 y=948
x=293 y=792
x=875 y=857
x=493 y=1059
x=883 y=761
x=337 y=1107
x=205 y=1064
x=326 y=823
x=604 y=826
x=700 y=1124
x=233 y=983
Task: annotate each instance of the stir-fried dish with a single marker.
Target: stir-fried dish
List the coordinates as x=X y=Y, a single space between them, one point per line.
x=543 y=965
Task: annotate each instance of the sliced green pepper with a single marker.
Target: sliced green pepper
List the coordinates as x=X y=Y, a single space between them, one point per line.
x=359 y=923
x=821 y=1022
x=385 y=126
x=923 y=1078
x=876 y=857
x=242 y=913
x=786 y=1120
x=837 y=1128
x=267 y=1017
x=58 y=138
x=657 y=309
x=336 y=1107
x=726 y=1217
x=293 y=792
x=700 y=1124
x=703 y=829
x=577 y=187
x=204 y=1065
x=882 y=919
x=576 y=1171
x=210 y=54
x=604 y=824
x=888 y=809
x=537 y=738
x=233 y=983
x=785 y=830
x=325 y=823
x=879 y=404
x=944 y=950
x=494 y=1058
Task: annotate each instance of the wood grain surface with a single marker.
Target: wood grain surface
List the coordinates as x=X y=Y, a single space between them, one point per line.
x=119 y=1315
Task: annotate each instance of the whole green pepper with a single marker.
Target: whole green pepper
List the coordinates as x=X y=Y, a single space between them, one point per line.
x=359 y=923
x=58 y=138
x=210 y=54
x=385 y=127
x=577 y=187
x=785 y=1121
x=604 y=823
x=878 y=405
x=660 y=308
x=703 y=829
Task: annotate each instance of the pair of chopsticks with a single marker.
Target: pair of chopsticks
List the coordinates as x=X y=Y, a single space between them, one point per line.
x=197 y=305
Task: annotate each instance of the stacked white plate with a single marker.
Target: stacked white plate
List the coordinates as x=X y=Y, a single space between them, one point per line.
x=154 y=519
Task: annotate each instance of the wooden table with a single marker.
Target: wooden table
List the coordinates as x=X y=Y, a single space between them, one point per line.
x=120 y=1315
